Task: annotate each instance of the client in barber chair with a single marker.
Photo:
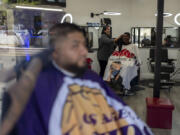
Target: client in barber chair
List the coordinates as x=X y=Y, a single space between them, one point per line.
x=128 y=55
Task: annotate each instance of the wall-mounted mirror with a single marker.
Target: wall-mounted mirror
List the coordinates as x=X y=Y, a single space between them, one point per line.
x=146 y=36
x=92 y=35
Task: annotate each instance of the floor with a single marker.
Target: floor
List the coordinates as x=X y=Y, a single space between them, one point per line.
x=138 y=104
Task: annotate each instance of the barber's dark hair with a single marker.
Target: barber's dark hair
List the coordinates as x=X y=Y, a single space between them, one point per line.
x=104 y=29
x=127 y=33
x=61 y=30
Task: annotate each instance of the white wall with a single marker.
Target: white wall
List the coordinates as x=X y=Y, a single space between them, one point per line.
x=144 y=10
x=138 y=13
x=81 y=9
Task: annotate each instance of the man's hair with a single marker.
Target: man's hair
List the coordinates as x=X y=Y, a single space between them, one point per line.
x=61 y=30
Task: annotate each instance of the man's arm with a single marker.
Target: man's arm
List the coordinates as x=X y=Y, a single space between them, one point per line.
x=19 y=94
x=105 y=40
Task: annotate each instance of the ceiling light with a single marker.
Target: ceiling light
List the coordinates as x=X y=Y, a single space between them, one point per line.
x=39 y=8
x=65 y=16
x=166 y=14
x=111 y=13
x=176 y=19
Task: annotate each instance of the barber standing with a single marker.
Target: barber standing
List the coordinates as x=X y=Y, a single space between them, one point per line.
x=106 y=47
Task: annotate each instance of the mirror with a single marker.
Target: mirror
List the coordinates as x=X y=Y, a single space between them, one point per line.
x=146 y=36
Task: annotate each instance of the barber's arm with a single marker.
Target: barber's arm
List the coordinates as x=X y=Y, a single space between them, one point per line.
x=106 y=40
x=116 y=39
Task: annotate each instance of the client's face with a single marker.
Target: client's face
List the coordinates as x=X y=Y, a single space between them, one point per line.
x=126 y=38
x=71 y=53
x=108 y=30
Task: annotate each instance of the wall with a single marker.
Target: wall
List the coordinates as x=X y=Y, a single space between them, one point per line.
x=81 y=9
x=143 y=12
x=138 y=13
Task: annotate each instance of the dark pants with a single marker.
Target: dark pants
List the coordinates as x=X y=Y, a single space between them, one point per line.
x=102 y=64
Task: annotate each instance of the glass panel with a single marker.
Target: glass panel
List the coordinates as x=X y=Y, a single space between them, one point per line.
x=147 y=36
x=136 y=35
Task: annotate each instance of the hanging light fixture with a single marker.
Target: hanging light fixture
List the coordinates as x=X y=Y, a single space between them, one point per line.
x=111 y=13
x=176 y=19
x=105 y=13
x=65 y=16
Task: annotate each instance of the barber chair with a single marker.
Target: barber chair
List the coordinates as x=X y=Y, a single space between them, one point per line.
x=118 y=87
x=167 y=67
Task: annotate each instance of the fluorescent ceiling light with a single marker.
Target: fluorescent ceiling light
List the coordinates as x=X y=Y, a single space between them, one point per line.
x=39 y=8
x=166 y=14
x=111 y=13
x=176 y=19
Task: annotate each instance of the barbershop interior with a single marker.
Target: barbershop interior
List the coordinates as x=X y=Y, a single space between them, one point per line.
x=151 y=73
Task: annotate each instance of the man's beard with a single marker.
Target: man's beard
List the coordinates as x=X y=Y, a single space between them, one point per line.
x=78 y=71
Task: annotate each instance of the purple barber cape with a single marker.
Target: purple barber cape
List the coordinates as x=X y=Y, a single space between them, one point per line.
x=63 y=105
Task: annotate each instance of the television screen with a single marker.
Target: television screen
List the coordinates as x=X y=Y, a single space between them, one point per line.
x=61 y=3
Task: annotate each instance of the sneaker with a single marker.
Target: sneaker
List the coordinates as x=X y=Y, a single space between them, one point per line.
x=137 y=88
x=128 y=92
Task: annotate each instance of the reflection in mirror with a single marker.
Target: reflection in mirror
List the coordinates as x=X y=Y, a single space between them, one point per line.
x=92 y=34
x=146 y=36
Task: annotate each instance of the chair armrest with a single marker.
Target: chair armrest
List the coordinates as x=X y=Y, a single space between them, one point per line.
x=172 y=60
